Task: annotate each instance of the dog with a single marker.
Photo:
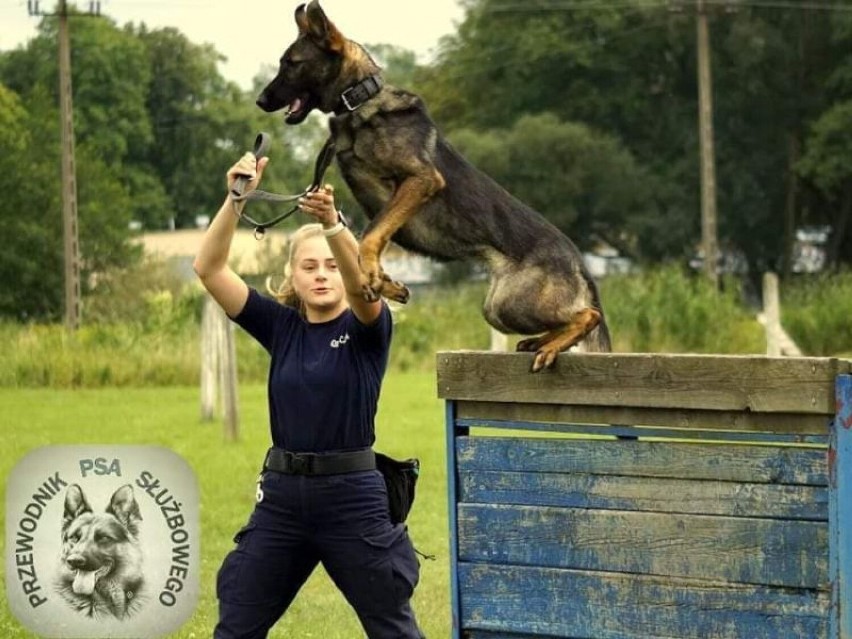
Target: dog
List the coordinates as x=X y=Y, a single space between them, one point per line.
x=419 y=191
x=100 y=570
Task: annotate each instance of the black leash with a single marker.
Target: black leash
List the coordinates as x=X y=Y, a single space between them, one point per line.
x=261 y=144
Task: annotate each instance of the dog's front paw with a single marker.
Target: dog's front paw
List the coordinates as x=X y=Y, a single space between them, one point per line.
x=369 y=294
x=396 y=291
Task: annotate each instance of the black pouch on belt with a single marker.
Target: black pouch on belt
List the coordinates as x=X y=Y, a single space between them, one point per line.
x=400 y=479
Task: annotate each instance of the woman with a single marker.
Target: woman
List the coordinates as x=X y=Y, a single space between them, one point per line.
x=320 y=498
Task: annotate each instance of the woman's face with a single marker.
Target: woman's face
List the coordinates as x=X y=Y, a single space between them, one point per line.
x=316 y=279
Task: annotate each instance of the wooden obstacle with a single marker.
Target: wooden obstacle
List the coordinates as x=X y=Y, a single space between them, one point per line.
x=695 y=497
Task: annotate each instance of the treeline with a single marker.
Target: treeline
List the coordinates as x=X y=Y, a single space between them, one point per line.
x=587 y=110
x=156 y=126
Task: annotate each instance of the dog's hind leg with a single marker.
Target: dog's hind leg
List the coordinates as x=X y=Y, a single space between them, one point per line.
x=549 y=345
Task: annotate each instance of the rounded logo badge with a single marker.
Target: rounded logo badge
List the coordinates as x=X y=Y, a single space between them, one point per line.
x=102 y=541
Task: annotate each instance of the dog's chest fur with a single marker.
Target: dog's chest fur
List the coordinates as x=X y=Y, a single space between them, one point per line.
x=370 y=143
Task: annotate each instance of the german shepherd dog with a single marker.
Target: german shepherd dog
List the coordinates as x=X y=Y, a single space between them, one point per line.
x=100 y=570
x=420 y=192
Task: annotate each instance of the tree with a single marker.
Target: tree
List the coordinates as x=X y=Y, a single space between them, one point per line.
x=399 y=65
x=582 y=180
x=827 y=161
x=31 y=260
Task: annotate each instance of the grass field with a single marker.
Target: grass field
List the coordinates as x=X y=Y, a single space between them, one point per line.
x=410 y=423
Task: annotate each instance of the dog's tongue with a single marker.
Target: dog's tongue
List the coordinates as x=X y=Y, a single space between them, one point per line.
x=295 y=105
x=84 y=582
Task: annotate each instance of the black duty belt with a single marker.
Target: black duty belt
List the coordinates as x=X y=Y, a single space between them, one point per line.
x=283 y=461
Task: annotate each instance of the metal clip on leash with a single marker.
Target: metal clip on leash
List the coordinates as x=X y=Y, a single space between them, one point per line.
x=261 y=143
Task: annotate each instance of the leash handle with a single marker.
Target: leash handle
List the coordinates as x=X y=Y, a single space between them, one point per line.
x=326 y=155
x=261 y=144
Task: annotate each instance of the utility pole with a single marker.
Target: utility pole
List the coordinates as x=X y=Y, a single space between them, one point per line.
x=709 y=234
x=68 y=172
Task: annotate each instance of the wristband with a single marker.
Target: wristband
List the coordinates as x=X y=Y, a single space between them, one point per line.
x=334 y=230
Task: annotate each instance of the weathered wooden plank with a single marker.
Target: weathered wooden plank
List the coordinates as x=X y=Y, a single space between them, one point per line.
x=612 y=492
x=708 y=382
x=753 y=551
x=840 y=499
x=736 y=420
x=567 y=603
x=649 y=432
x=737 y=463
x=487 y=634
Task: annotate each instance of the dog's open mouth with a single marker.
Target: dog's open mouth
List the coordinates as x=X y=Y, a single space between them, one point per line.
x=299 y=108
x=86 y=580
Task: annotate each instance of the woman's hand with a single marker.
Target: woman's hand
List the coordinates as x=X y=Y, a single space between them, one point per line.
x=320 y=205
x=247 y=166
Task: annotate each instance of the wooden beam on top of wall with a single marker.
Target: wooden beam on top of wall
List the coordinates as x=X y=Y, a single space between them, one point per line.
x=703 y=382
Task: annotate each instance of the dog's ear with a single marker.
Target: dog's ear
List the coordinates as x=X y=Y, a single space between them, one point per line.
x=123 y=506
x=75 y=505
x=321 y=30
x=301 y=19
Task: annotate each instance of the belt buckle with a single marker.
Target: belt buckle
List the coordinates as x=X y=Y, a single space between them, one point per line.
x=300 y=464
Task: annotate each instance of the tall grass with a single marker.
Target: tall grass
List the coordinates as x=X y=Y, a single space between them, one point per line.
x=668 y=310
x=663 y=310
x=817 y=313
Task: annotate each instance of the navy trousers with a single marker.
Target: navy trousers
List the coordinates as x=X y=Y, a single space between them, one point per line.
x=339 y=520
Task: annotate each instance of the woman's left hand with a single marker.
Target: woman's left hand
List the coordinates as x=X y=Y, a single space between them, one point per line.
x=320 y=205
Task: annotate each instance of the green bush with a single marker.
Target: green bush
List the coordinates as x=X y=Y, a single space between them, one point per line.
x=438 y=319
x=816 y=311
x=666 y=310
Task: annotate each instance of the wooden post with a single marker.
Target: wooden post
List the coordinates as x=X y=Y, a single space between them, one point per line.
x=771 y=310
x=219 y=368
x=778 y=342
x=228 y=359
x=708 y=159
x=499 y=341
x=209 y=363
x=840 y=512
x=69 y=180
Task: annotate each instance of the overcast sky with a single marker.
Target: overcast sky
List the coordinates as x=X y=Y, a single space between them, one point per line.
x=251 y=33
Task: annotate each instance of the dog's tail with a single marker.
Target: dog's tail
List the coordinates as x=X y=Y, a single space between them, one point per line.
x=598 y=340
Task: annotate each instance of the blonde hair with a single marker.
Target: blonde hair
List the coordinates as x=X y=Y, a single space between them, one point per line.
x=285 y=293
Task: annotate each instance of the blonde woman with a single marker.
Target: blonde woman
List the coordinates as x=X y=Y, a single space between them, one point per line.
x=320 y=497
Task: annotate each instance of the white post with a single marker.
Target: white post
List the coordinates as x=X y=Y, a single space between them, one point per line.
x=208 y=359
x=771 y=310
x=219 y=368
x=499 y=341
x=228 y=377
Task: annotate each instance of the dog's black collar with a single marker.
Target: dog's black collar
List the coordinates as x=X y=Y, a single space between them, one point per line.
x=359 y=93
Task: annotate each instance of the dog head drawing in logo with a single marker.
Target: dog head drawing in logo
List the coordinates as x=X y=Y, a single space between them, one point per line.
x=100 y=570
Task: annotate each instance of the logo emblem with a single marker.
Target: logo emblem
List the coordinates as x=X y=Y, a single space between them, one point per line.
x=340 y=341
x=102 y=541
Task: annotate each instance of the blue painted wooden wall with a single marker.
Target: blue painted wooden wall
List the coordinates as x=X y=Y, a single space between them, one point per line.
x=601 y=501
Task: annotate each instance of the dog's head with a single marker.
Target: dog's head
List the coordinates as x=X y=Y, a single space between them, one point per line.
x=100 y=563
x=316 y=69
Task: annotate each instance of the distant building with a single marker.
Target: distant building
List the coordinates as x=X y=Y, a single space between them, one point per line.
x=253 y=257
x=249 y=256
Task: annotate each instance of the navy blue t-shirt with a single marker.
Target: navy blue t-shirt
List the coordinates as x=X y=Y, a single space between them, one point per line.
x=324 y=378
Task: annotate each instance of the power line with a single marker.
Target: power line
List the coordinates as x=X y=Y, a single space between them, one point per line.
x=782 y=4
x=591 y=5
x=577 y=6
